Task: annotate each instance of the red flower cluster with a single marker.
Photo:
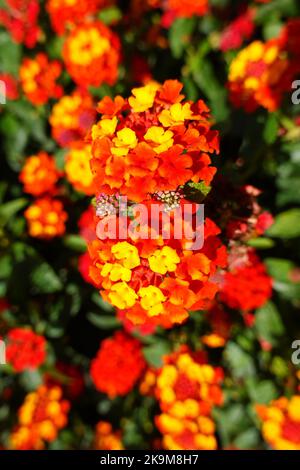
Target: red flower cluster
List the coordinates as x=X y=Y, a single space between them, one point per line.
x=187 y=8
x=64 y=13
x=118 y=365
x=25 y=349
x=247 y=286
x=181 y=8
x=236 y=32
x=20 y=18
x=87 y=227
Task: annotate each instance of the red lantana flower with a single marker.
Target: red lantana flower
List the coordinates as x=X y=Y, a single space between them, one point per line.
x=25 y=349
x=118 y=365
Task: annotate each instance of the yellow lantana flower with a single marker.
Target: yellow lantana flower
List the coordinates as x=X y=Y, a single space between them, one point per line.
x=143 y=97
x=116 y=272
x=176 y=115
x=163 y=139
x=126 y=139
x=105 y=127
x=122 y=296
x=164 y=260
x=151 y=300
x=128 y=254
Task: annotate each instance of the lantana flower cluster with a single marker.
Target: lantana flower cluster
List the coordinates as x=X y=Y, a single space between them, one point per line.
x=46 y=216
x=147 y=148
x=154 y=141
x=38 y=76
x=25 y=349
x=187 y=389
x=20 y=18
x=91 y=54
x=67 y=13
x=118 y=365
x=157 y=281
x=281 y=423
x=42 y=415
x=106 y=438
x=262 y=72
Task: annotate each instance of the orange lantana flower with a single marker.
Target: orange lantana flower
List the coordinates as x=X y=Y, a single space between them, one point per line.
x=91 y=54
x=154 y=141
x=39 y=174
x=38 y=78
x=46 y=218
x=43 y=413
x=72 y=117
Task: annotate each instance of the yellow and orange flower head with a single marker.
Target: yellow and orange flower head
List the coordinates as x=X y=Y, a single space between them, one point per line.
x=106 y=438
x=91 y=54
x=156 y=280
x=187 y=389
x=256 y=76
x=66 y=13
x=38 y=78
x=43 y=414
x=281 y=423
x=154 y=141
x=78 y=170
x=46 y=218
x=39 y=174
x=72 y=117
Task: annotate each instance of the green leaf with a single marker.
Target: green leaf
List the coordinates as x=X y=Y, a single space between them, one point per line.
x=271 y=129
x=154 y=353
x=268 y=323
x=287 y=225
x=261 y=243
x=179 y=35
x=231 y=421
x=104 y=322
x=103 y=306
x=75 y=243
x=44 y=279
x=205 y=76
x=10 y=54
x=248 y=439
x=279 y=268
x=240 y=362
x=110 y=15
x=31 y=380
x=200 y=187
x=5 y=266
x=279 y=367
x=10 y=209
x=262 y=392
